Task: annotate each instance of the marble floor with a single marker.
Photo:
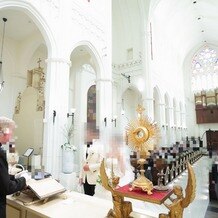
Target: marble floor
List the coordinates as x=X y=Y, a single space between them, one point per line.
x=199 y=208
x=212 y=209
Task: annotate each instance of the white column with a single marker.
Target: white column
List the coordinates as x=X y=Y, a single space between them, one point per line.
x=119 y=114
x=104 y=97
x=171 y=132
x=183 y=122
x=162 y=118
x=80 y=118
x=147 y=95
x=148 y=103
x=56 y=99
x=161 y=124
x=177 y=124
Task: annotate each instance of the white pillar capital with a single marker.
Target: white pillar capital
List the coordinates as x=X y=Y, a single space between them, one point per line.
x=58 y=60
x=104 y=80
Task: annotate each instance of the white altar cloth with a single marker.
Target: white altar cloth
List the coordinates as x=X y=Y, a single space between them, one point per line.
x=76 y=205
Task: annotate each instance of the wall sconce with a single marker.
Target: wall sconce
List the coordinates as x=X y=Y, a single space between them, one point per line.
x=54 y=115
x=126 y=76
x=105 y=121
x=72 y=110
x=114 y=120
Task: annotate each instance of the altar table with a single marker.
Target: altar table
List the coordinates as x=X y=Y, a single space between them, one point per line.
x=158 y=197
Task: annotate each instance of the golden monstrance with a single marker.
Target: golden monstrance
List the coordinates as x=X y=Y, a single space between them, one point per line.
x=142 y=135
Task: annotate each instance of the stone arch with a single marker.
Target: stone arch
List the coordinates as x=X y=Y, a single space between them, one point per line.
x=97 y=62
x=40 y=22
x=130 y=99
x=32 y=48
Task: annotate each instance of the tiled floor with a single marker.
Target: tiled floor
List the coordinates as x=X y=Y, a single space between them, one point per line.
x=212 y=210
x=199 y=208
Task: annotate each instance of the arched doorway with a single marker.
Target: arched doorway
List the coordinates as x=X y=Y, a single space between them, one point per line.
x=25 y=42
x=84 y=96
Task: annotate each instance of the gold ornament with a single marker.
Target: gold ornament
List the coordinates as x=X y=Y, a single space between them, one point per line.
x=142 y=135
x=180 y=202
x=121 y=208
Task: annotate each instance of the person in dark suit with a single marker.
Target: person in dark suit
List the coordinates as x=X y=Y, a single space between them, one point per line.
x=8 y=184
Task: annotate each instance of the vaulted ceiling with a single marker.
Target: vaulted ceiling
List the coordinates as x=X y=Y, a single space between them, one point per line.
x=186 y=24
x=18 y=26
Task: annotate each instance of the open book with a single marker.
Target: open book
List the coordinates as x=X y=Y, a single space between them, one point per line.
x=46 y=188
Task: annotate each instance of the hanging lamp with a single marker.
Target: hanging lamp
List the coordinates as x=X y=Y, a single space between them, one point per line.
x=1 y=73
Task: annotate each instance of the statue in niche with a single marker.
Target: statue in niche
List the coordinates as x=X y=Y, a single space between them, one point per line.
x=36 y=79
x=17 y=107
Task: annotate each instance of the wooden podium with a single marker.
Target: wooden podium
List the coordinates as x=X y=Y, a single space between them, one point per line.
x=40 y=190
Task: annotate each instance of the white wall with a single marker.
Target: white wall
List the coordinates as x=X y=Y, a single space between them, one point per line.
x=62 y=26
x=29 y=123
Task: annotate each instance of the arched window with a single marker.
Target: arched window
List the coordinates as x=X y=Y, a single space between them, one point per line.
x=205 y=70
x=91 y=105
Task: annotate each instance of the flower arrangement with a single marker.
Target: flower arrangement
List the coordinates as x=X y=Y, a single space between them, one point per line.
x=68 y=132
x=67 y=146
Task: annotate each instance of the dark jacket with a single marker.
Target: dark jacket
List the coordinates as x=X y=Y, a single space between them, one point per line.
x=8 y=185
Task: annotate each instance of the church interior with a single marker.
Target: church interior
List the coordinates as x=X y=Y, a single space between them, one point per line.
x=112 y=73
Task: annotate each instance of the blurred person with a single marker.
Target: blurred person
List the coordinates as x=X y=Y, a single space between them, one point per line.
x=8 y=184
x=117 y=152
x=90 y=169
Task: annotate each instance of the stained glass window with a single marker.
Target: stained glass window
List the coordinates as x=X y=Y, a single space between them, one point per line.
x=205 y=69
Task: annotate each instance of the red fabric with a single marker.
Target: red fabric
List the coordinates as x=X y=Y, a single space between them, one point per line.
x=157 y=196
